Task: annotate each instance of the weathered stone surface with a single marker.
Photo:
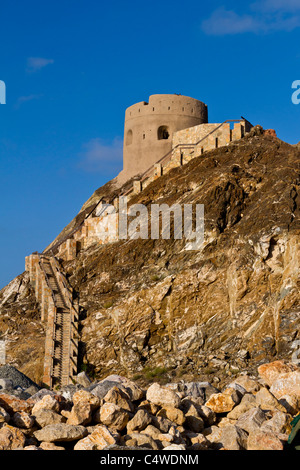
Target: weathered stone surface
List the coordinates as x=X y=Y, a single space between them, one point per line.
x=151 y=431
x=111 y=415
x=81 y=414
x=207 y=414
x=279 y=423
x=61 y=433
x=83 y=396
x=213 y=435
x=223 y=402
x=134 y=392
x=266 y=400
x=247 y=383
x=286 y=384
x=150 y=407
x=272 y=371
x=4 y=416
x=119 y=397
x=193 y=420
x=50 y=446
x=101 y=388
x=233 y=438
x=142 y=440
x=263 y=440
x=248 y=401
x=99 y=439
x=251 y=420
x=291 y=403
x=13 y=404
x=32 y=447
x=83 y=379
x=139 y=422
x=198 y=441
x=11 y=438
x=163 y=424
x=44 y=417
x=21 y=419
x=161 y=396
x=39 y=395
x=173 y=414
x=48 y=402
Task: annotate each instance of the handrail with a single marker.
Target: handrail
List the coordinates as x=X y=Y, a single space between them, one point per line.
x=46 y=278
x=68 y=293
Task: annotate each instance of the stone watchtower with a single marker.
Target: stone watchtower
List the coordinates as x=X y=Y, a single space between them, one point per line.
x=149 y=129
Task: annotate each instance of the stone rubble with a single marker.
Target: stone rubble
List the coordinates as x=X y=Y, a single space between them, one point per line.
x=250 y=413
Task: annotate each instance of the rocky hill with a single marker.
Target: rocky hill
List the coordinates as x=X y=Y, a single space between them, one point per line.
x=152 y=310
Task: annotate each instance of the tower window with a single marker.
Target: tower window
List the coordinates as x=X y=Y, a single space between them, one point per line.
x=129 y=137
x=163 y=133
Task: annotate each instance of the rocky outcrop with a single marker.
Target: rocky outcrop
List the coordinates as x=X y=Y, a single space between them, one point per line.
x=150 y=309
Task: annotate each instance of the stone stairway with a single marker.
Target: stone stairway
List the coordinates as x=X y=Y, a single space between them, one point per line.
x=59 y=311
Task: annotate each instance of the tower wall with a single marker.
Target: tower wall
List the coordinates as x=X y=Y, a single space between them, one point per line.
x=149 y=129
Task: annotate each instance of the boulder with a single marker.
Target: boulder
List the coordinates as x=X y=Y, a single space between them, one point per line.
x=173 y=414
x=21 y=419
x=233 y=438
x=111 y=415
x=286 y=384
x=83 y=396
x=99 y=439
x=223 y=402
x=46 y=417
x=266 y=400
x=48 y=402
x=251 y=420
x=161 y=396
x=4 y=416
x=119 y=397
x=83 y=379
x=141 y=440
x=274 y=370
x=247 y=403
x=13 y=404
x=11 y=438
x=139 y=421
x=81 y=414
x=263 y=440
x=61 y=433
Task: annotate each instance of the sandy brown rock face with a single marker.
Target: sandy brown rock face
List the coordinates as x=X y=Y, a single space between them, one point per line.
x=150 y=307
x=21 y=328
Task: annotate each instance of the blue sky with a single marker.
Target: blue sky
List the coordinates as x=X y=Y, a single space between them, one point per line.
x=72 y=68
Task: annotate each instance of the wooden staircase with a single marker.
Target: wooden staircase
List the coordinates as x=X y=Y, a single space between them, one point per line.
x=60 y=311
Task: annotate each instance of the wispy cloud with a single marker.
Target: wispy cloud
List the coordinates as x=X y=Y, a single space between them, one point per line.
x=24 y=99
x=100 y=156
x=34 y=64
x=265 y=16
x=276 y=5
